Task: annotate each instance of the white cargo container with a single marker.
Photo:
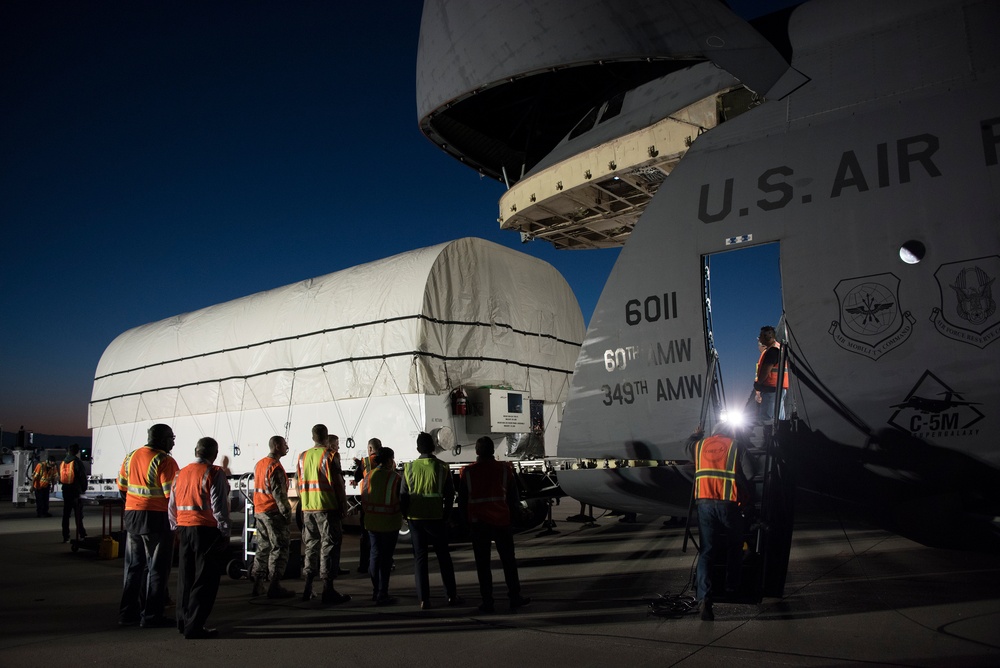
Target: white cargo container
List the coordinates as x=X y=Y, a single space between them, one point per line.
x=377 y=350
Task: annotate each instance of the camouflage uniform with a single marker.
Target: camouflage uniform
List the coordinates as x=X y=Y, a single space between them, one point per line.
x=273 y=527
x=322 y=555
x=273 y=537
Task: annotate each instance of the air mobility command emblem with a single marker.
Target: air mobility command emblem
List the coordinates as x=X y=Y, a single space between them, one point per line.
x=871 y=322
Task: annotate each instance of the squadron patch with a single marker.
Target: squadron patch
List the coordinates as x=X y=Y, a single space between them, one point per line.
x=871 y=322
x=968 y=311
x=934 y=410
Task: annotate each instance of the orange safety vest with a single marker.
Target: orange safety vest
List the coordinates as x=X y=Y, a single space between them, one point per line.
x=263 y=493
x=772 y=376
x=367 y=466
x=316 y=469
x=380 y=500
x=193 y=492
x=715 y=469
x=42 y=477
x=147 y=474
x=67 y=473
x=487 y=482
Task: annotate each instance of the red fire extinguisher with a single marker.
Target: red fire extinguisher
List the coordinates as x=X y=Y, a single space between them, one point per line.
x=459 y=402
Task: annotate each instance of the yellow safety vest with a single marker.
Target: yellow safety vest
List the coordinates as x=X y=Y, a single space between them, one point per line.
x=316 y=471
x=380 y=499
x=425 y=481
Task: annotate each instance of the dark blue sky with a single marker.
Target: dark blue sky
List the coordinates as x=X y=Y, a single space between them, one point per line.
x=157 y=158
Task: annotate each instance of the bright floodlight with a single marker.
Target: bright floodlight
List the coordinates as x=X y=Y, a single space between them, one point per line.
x=734 y=417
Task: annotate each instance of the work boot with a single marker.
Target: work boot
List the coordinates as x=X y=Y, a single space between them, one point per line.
x=332 y=596
x=307 y=593
x=258 y=585
x=277 y=591
x=707 y=614
x=518 y=602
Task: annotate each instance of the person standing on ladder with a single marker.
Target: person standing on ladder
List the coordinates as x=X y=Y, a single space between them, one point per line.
x=273 y=516
x=323 y=501
x=766 y=382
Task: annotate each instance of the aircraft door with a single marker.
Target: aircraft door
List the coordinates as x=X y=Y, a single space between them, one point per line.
x=742 y=294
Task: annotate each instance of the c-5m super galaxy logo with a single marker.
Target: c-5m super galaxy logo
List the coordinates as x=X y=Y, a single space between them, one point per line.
x=968 y=311
x=871 y=322
x=934 y=410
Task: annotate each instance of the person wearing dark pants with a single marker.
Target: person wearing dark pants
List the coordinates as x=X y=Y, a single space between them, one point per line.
x=380 y=499
x=199 y=510
x=74 y=484
x=145 y=481
x=719 y=486
x=362 y=468
x=200 y=563
x=487 y=495
x=503 y=537
x=427 y=494
x=44 y=478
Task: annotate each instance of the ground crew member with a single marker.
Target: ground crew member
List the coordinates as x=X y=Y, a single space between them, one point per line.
x=362 y=468
x=488 y=495
x=145 y=480
x=766 y=381
x=73 y=477
x=199 y=511
x=427 y=494
x=719 y=485
x=333 y=443
x=323 y=501
x=383 y=519
x=43 y=479
x=273 y=516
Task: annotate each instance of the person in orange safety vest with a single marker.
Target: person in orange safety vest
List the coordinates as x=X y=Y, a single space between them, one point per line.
x=73 y=477
x=719 y=487
x=486 y=494
x=766 y=381
x=145 y=480
x=199 y=511
x=273 y=519
x=43 y=479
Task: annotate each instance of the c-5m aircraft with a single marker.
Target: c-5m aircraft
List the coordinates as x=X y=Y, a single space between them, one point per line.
x=861 y=137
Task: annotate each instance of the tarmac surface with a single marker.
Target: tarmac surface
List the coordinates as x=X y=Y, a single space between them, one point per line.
x=855 y=595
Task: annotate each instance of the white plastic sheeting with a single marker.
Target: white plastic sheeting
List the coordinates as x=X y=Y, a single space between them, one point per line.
x=468 y=312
